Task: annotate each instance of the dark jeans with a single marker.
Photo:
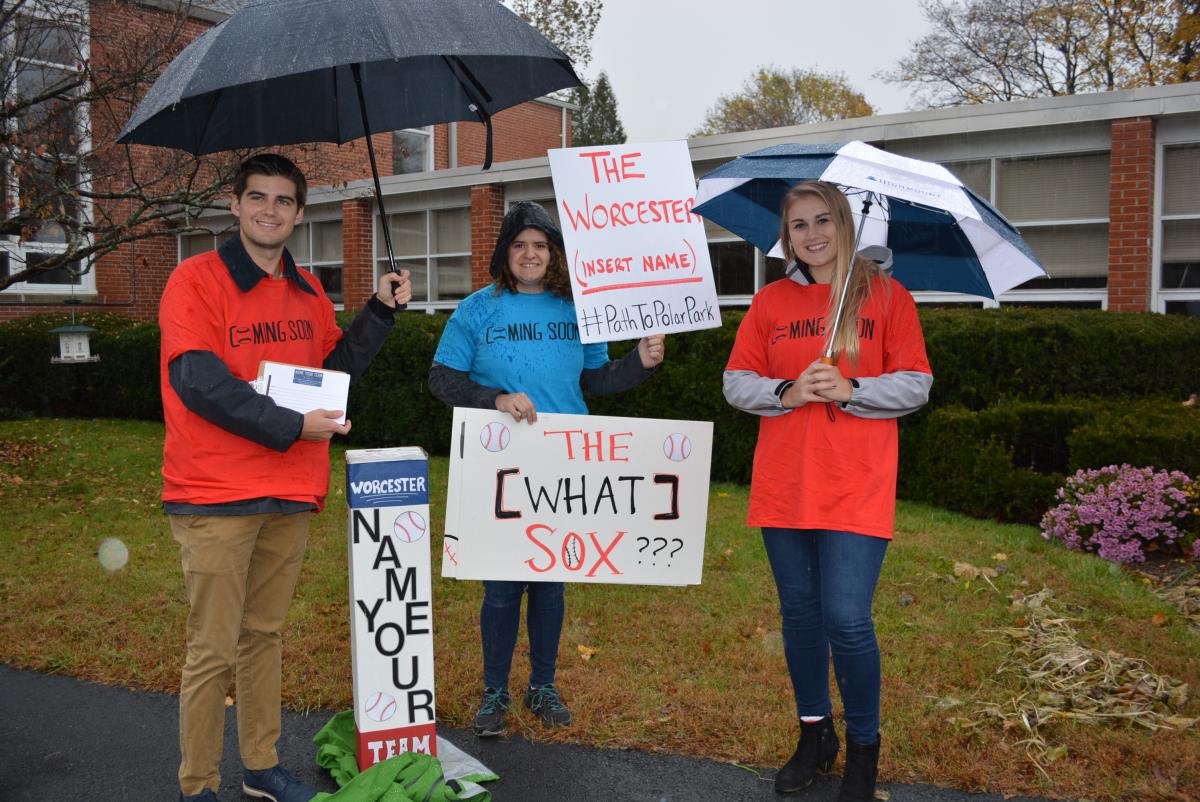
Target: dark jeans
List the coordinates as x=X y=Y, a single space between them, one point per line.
x=500 y=619
x=826 y=581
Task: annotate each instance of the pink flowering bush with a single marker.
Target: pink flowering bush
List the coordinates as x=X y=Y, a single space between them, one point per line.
x=1121 y=512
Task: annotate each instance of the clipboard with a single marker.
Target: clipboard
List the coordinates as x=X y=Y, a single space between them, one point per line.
x=303 y=388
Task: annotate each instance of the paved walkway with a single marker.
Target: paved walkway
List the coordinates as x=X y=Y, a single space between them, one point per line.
x=70 y=740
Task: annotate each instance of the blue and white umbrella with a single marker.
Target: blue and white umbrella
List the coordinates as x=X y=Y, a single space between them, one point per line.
x=941 y=234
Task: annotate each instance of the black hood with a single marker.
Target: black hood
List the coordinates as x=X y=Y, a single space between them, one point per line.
x=521 y=216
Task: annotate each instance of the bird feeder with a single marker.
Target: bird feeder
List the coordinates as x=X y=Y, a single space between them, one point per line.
x=73 y=345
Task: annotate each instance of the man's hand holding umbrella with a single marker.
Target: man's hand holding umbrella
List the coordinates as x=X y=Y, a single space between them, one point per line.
x=395 y=289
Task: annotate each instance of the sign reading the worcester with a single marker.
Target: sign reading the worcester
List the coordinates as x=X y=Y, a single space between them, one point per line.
x=577 y=498
x=637 y=256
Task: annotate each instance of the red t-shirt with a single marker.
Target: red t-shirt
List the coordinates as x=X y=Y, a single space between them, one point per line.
x=810 y=472
x=202 y=309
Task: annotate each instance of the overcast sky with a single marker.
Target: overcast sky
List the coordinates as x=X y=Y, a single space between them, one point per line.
x=669 y=60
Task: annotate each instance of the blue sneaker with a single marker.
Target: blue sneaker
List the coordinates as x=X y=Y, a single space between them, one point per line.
x=204 y=796
x=547 y=704
x=276 y=784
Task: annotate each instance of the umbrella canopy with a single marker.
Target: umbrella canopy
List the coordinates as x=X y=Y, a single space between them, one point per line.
x=942 y=235
x=279 y=72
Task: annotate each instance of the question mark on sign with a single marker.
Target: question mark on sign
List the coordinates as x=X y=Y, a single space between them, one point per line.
x=660 y=548
x=645 y=541
x=675 y=550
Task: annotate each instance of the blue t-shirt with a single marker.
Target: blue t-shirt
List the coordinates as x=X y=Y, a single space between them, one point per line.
x=521 y=343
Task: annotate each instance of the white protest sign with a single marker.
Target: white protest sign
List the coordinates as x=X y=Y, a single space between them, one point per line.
x=391 y=624
x=577 y=498
x=637 y=256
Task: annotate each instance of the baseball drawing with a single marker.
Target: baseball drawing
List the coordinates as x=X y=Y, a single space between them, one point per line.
x=380 y=706
x=494 y=436
x=409 y=527
x=677 y=447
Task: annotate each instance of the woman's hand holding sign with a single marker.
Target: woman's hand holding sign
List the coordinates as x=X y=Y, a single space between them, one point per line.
x=652 y=349
x=518 y=405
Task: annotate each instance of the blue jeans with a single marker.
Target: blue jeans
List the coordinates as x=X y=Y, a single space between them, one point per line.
x=500 y=618
x=826 y=581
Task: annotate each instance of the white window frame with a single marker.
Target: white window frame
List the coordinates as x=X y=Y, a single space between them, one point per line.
x=381 y=259
x=428 y=132
x=13 y=246
x=1159 y=296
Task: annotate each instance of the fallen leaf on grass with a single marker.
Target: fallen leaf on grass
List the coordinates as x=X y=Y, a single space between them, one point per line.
x=973 y=572
x=999 y=556
x=586 y=652
x=1158 y=619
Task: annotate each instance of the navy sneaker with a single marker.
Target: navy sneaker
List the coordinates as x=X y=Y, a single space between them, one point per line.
x=546 y=703
x=276 y=784
x=204 y=796
x=489 y=721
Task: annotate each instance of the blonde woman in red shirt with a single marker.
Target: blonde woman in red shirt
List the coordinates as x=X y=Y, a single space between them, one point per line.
x=824 y=484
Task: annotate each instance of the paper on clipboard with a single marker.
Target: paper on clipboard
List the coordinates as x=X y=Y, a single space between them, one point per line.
x=302 y=388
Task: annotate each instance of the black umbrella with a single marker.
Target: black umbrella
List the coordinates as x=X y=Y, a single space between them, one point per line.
x=283 y=72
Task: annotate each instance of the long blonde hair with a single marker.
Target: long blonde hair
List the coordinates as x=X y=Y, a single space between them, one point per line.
x=845 y=339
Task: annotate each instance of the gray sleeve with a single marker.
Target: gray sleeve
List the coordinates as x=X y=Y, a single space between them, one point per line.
x=615 y=377
x=455 y=388
x=368 y=331
x=758 y=395
x=891 y=395
x=207 y=388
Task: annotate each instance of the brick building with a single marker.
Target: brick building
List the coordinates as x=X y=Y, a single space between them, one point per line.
x=130 y=279
x=1105 y=187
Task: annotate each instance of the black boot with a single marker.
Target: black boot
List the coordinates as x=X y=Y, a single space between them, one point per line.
x=862 y=767
x=816 y=752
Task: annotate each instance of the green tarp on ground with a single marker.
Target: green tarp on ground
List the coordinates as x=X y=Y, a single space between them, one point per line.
x=404 y=778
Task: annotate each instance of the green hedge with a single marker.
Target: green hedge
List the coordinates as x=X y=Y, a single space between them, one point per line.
x=123 y=384
x=983 y=357
x=1006 y=461
x=982 y=360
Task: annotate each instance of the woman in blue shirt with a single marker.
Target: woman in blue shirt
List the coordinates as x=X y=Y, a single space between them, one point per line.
x=514 y=346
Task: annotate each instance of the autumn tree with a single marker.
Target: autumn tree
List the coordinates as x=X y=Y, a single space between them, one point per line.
x=980 y=51
x=68 y=82
x=597 y=121
x=771 y=98
x=570 y=24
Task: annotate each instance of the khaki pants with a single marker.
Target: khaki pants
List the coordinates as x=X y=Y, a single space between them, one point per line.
x=240 y=572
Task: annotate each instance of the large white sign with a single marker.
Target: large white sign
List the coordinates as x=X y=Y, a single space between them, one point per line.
x=577 y=498
x=637 y=256
x=391 y=617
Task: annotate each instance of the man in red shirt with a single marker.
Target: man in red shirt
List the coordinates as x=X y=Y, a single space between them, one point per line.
x=241 y=475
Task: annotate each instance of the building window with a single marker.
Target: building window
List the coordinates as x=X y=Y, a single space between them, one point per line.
x=733 y=261
x=977 y=175
x=1180 y=230
x=1060 y=205
x=40 y=168
x=317 y=247
x=412 y=150
x=435 y=245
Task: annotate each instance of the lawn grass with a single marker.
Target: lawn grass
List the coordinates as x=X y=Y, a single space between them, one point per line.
x=696 y=671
